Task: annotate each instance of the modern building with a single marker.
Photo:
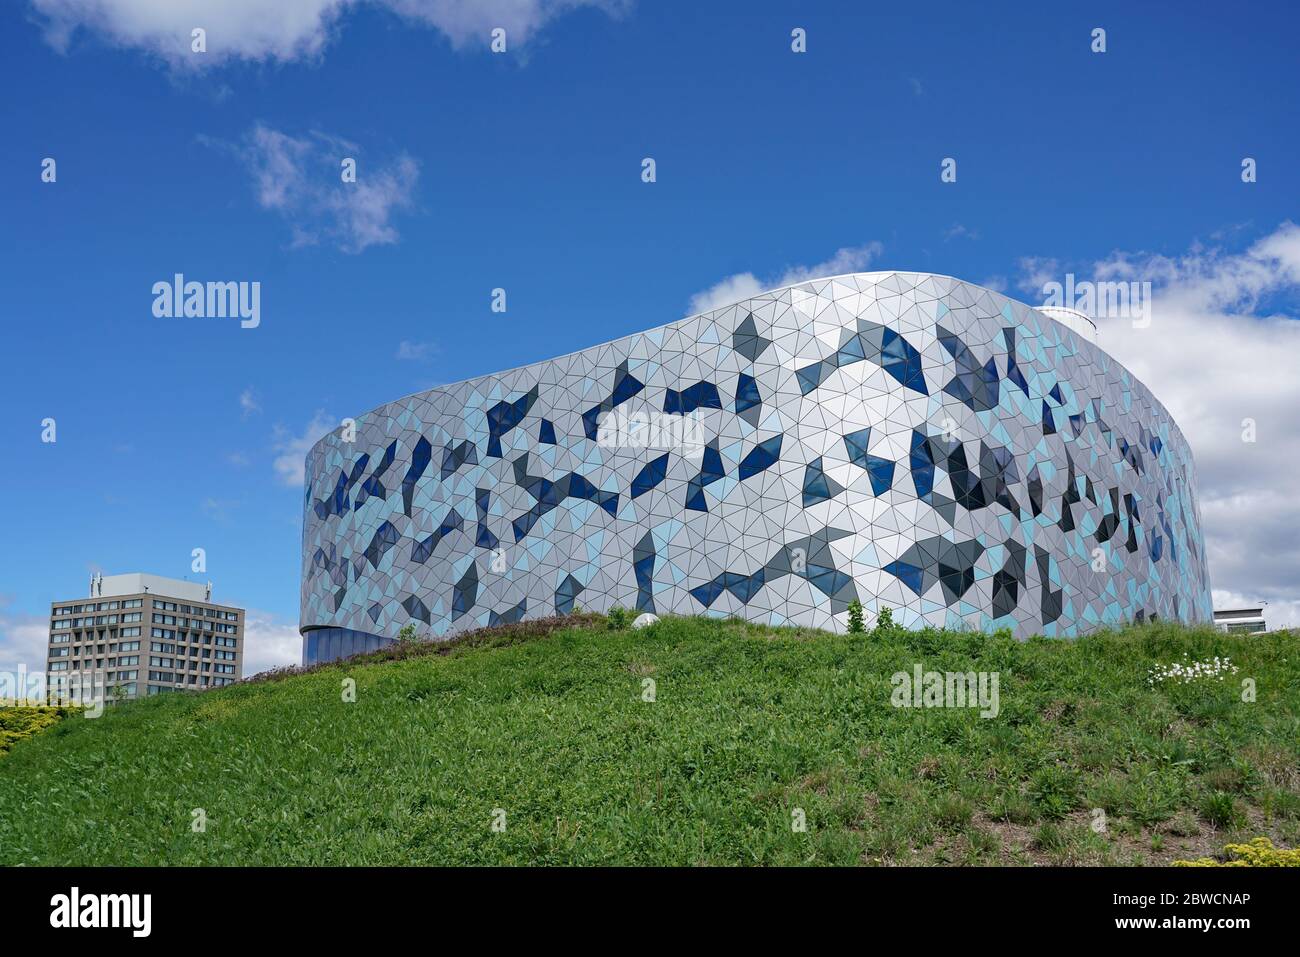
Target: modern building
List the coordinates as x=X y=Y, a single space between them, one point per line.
x=904 y=439
x=1247 y=620
x=137 y=635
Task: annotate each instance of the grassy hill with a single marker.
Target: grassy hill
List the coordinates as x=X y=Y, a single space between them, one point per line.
x=748 y=727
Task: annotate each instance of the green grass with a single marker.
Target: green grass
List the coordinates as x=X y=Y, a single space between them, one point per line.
x=748 y=727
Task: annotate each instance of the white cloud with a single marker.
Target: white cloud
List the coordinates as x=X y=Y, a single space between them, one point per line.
x=1221 y=349
x=219 y=509
x=470 y=22
x=745 y=285
x=415 y=351
x=284 y=30
x=292 y=449
x=269 y=642
x=958 y=231
x=1035 y=271
x=299 y=178
x=248 y=403
x=24 y=640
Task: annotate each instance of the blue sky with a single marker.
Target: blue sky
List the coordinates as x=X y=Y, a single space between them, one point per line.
x=522 y=170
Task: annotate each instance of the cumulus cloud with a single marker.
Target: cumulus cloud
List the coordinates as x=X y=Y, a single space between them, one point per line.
x=23 y=641
x=299 y=178
x=732 y=289
x=1036 y=271
x=1220 y=353
x=291 y=450
x=744 y=285
x=470 y=22
x=269 y=642
x=284 y=30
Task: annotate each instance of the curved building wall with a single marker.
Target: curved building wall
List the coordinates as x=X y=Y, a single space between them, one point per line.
x=908 y=439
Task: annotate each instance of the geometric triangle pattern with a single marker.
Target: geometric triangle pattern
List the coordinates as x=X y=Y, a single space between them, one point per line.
x=909 y=440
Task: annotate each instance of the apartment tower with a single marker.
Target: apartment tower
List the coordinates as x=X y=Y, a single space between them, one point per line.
x=138 y=635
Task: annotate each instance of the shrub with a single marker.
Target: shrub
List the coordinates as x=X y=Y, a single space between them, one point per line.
x=1258 y=853
x=855 y=618
x=619 y=618
x=884 y=624
x=17 y=724
x=407 y=634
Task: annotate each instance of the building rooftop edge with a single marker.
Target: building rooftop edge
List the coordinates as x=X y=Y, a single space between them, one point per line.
x=695 y=315
x=138 y=583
